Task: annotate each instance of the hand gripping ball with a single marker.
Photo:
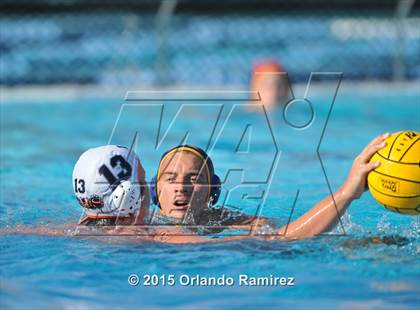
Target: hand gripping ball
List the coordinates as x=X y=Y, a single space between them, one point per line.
x=396 y=182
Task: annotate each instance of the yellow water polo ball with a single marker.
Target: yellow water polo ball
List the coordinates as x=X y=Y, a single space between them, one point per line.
x=396 y=182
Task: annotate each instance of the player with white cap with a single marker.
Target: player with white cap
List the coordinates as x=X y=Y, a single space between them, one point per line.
x=109 y=183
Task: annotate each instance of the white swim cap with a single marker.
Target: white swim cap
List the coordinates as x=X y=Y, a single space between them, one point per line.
x=99 y=173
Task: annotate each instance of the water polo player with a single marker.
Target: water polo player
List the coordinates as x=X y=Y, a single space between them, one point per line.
x=186 y=181
x=269 y=80
x=109 y=183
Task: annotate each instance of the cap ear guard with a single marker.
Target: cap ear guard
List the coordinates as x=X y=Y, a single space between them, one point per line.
x=153 y=191
x=216 y=188
x=126 y=198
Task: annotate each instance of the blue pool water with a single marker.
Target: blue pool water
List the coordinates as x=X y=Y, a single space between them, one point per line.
x=40 y=143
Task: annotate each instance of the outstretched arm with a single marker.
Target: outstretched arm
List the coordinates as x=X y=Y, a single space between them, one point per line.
x=181 y=239
x=326 y=214
x=59 y=230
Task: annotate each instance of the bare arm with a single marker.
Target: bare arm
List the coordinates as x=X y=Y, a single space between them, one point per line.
x=133 y=234
x=321 y=218
x=64 y=230
x=168 y=234
x=181 y=239
x=325 y=215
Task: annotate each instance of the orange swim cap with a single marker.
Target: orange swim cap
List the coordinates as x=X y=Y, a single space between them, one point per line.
x=267 y=66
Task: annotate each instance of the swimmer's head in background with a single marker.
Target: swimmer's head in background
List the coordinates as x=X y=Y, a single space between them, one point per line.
x=269 y=79
x=213 y=180
x=107 y=182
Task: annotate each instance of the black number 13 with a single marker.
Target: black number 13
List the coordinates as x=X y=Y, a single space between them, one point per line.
x=124 y=173
x=79 y=186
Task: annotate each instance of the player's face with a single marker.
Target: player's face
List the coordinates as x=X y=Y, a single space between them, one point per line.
x=183 y=184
